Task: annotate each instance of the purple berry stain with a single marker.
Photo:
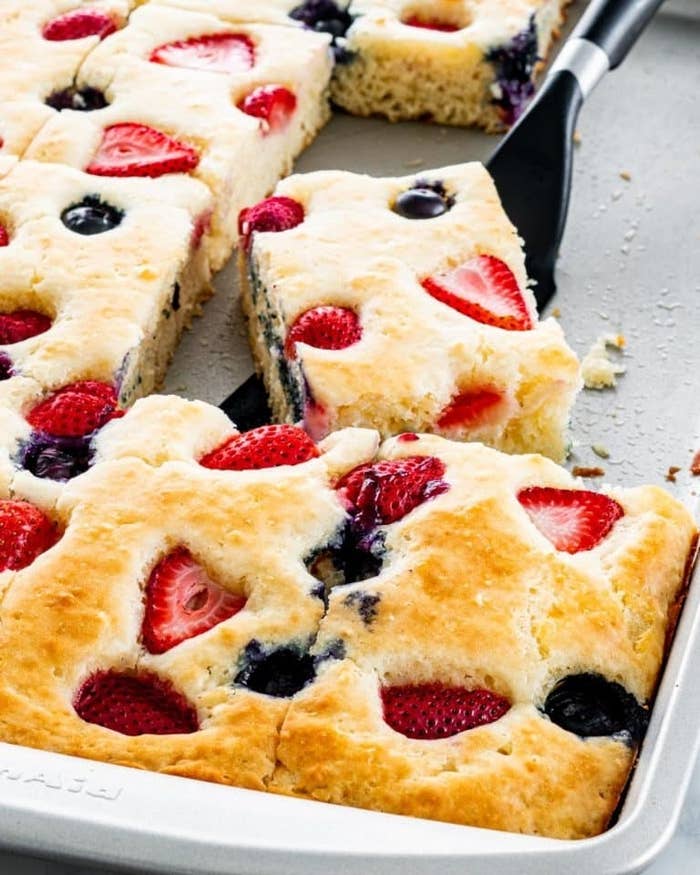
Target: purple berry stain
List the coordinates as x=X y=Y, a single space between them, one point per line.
x=515 y=64
x=6 y=370
x=56 y=458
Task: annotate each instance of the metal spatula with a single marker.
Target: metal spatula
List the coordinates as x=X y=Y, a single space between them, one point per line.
x=532 y=165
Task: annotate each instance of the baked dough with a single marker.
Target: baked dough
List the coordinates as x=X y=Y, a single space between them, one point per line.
x=118 y=300
x=480 y=72
x=470 y=592
x=415 y=353
x=205 y=114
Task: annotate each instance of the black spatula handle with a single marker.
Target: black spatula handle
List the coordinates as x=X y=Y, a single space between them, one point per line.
x=615 y=25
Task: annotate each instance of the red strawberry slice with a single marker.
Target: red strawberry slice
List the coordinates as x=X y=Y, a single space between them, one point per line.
x=386 y=491
x=25 y=533
x=215 y=53
x=182 y=602
x=137 y=150
x=432 y=711
x=430 y=24
x=486 y=290
x=76 y=410
x=21 y=325
x=4 y=236
x=134 y=704
x=266 y=447
x=574 y=520
x=77 y=24
x=471 y=409
x=273 y=104
x=274 y=214
x=324 y=328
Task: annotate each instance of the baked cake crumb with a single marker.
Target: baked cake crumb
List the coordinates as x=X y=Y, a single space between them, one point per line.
x=583 y=471
x=695 y=465
x=599 y=372
x=671 y=473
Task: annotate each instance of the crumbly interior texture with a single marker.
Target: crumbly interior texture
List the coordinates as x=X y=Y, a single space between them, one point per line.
x=415 y=353
x=470 y=593
x=452 y=77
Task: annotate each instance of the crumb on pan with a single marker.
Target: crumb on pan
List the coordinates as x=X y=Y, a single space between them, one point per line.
x=601 y=451
x=695 y=465
x=671 y=473
x=583 y=471
x=599 y=372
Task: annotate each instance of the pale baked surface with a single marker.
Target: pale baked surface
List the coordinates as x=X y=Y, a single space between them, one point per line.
x=415 y=353
x=83 y=599
x=204 y=114
x=480 y=72
x=470 y=592
x=473 y=594
x=99 y=330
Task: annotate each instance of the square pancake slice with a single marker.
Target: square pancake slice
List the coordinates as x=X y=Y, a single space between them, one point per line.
x=403 y=305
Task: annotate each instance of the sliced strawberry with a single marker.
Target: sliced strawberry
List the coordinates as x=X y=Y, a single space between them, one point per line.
x=486 y=290
x=76 y=410
x=274 y=214
x=25 y=533
x=4 y=236
x=182 y=601
x=430 y=24
x=77 y=24
x=471 y=409
x=386 y=491
x=266 y=447
x=432 y=711
x=273 y=104
x=142 y=704
x=137 y=150
x=202 y=226
x=215 y=53
x=324 y=328
x=574 y=520
x=21 y=325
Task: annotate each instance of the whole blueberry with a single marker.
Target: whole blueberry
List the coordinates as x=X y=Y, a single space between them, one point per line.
x=422 y=202
x=590 y=705
x=324 y=16
x=79 y=99
x=280 y=672
x=91 y=216
x=56 y=458
x=5 y=367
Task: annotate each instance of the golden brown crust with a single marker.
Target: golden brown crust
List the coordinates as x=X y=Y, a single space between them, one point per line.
x=471 y=593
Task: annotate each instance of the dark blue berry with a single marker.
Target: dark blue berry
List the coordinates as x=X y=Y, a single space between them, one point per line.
x=515 y=63
x=56 y=458
x=590 y=705
x=365 y=604
x=326 y=16
x=352 y=556
x=6 y=370
x=175 y=303
x=281 y=672
x=91 y=216
x=79 y=99
x=425 y=200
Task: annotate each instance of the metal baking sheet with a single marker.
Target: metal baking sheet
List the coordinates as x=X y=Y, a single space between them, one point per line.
x=630 y=264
